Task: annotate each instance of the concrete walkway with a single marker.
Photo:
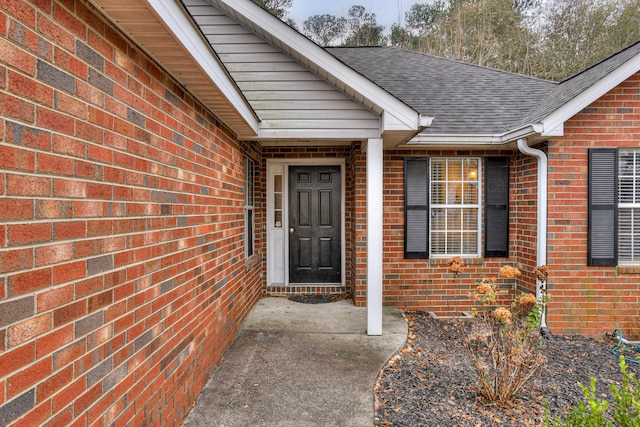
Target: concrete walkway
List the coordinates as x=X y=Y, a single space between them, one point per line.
x=297 y=365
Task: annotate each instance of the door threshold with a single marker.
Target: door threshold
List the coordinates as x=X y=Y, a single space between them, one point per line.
x=298 y=289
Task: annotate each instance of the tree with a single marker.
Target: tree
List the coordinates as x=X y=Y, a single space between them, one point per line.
x=325 y=29
x=419 y=21
x=422 y=16
x=550 y=39
x=578 y=33
x=278 y=8
x=363 y=28
x=491 y=33
x=401 y=37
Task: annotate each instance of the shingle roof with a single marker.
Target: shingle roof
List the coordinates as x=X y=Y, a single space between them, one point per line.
x=467 y=99
x=464 y=98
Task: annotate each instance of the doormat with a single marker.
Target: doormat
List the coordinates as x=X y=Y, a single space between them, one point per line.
x=313 y=299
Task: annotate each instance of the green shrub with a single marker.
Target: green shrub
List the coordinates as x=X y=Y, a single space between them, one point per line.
x=592 y=412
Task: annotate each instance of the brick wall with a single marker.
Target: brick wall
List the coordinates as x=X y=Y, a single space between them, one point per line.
x=419 y=284
x=584 y=300
x=523 y=214
x=589 y=300
x=122 y=271
x=359 y=233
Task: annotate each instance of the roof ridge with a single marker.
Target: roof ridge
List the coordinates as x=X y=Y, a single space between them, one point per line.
x=444 y=58
x=484 y=67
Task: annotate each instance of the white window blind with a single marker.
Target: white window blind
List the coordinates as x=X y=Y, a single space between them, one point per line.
x=629 y=206
x=455 y=206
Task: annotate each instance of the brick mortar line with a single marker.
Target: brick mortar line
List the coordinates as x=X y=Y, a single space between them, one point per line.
x=112 y=322
x=115 y=166
x=187 y=327
x=106 y=236
x=195 y=126
x=114 y=253
x=121 y=218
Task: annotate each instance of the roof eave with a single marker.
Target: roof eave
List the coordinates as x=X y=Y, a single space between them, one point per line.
x=183 y=28
x=168 y=18
x=557 y=118
x=475 y=140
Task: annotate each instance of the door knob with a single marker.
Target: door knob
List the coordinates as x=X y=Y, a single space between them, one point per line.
x=292 y=230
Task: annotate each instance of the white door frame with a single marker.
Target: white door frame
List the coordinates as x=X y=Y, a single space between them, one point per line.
x=280 y=259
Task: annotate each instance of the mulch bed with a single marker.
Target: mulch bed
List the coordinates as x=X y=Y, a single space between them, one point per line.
x=431 y=382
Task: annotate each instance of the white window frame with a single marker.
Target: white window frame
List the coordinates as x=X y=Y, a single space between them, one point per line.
x=634 y=206
x=478 y=206
x=249 y=206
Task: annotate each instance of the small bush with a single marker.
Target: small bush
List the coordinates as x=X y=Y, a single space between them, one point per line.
x=504 y=343
x=592 y=412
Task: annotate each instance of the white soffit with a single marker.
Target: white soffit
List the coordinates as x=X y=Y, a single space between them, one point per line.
x=164 y=30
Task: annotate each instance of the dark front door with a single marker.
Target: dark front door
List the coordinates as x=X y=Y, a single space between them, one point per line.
x=315 y=224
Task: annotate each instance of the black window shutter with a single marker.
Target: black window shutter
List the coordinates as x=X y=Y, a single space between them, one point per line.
x=603 y=207
x=496 y=208
x=416 y=196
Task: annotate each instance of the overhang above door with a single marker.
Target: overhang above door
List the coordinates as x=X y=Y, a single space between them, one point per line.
x=265 y=80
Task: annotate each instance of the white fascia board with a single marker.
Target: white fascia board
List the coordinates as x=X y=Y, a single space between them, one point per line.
x=477 y=139
x=389 y=122
x=425 y=121
x=326 y=62
x=264 y=134
x=455 y=139
x=522 y=132
x=178 y=22
x=592 y=94
x=558 y=131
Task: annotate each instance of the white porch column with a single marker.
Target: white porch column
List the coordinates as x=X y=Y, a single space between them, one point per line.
x=374 y=236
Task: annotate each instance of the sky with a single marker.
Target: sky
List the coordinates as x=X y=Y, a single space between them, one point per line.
x=386 y=10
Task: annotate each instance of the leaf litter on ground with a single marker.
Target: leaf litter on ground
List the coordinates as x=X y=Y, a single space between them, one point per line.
x=430 y=382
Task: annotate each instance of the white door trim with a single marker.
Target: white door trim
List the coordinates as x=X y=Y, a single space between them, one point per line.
x=275 y=166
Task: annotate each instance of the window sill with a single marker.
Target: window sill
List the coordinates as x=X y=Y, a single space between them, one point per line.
x=251 y=262
x=467 y=261
x=628 y=269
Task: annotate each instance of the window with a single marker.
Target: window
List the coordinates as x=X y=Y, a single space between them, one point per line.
x=455 y=206
x=249 y=200
x=443 y=207
x=614 y=207
x=629 y=206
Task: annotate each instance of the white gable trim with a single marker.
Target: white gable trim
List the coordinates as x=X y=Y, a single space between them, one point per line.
x=323 y=63
x=181 y=25
x=557 y=119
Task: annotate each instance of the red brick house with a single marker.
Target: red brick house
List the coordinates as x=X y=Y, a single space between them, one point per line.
x=164 y=164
